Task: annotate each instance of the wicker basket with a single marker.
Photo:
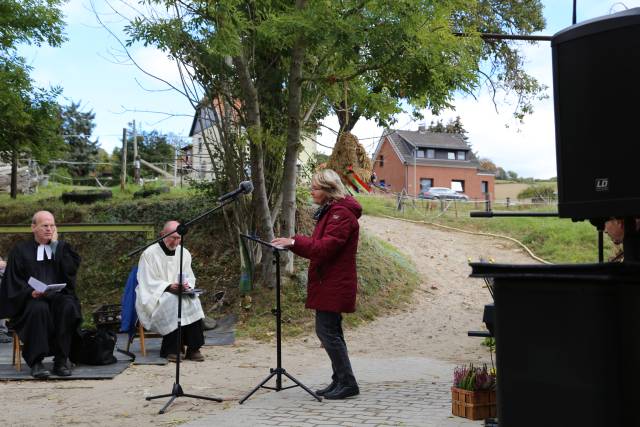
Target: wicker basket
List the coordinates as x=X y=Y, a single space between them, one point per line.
x=108 y=316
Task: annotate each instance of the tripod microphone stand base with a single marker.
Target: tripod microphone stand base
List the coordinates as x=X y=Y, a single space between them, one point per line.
x=279 y=372
x=177 y=392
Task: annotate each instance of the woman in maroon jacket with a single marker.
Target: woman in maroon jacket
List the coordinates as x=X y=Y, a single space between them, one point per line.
x=332 y=273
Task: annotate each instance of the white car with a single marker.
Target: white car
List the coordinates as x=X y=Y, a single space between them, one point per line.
x=442 y=193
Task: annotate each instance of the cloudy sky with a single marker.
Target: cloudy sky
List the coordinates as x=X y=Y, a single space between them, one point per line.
x=91 y=69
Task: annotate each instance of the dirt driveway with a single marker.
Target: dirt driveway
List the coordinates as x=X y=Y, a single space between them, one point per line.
x=446 y=306
x=448 y=303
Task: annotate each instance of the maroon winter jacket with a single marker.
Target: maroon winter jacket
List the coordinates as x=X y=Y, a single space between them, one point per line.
x=332 y=248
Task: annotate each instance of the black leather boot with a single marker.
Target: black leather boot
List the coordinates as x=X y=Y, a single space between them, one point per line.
x=342 y=392
x=327 y=389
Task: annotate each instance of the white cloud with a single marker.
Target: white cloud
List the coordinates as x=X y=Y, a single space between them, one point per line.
x=156 y=63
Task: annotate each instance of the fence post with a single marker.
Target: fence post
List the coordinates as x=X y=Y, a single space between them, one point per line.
x=487 y=198
x=508 y=202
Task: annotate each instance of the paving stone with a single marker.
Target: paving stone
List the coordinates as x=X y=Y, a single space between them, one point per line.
x=412 y=393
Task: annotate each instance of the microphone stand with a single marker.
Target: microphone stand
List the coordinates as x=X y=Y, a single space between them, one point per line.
x=176 y=390
x=279 y=371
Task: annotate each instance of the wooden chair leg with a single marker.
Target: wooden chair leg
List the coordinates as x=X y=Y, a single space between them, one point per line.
x=17 y=352
x=143 y=350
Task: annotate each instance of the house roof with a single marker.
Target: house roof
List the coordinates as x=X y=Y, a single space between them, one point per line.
x=203 y=119
x=430 y=139
x=404 y=142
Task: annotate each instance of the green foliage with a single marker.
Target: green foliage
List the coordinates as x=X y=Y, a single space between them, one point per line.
x=77 y=127
x=265 y=65
x=543 y=192
x=29 y=116
x=454 y=126
x=153 y=146
x=33 y=22
x=61 y=174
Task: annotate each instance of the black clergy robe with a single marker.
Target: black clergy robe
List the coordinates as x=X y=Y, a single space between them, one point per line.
x=45 y=325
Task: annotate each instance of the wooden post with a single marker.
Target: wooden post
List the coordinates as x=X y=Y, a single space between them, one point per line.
x=136 y=160
x=487 y=198
x=123 y=175
x=14 y=173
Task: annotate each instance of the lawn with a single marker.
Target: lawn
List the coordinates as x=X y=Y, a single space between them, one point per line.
x=553 y=239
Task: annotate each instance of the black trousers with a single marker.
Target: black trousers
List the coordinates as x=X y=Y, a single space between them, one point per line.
x=329 y=331
x=46 y=327
x=192 y=338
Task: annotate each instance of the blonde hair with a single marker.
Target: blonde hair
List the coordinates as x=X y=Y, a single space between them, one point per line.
x=329 y=181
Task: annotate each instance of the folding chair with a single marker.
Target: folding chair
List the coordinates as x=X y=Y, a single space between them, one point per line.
x=130 y=322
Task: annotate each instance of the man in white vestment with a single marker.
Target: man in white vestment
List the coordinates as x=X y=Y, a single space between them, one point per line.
x=157 y=296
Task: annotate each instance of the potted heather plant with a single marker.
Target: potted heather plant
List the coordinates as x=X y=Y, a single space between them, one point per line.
x=473 y=394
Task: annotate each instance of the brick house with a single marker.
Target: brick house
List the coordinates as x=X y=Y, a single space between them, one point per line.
x=417 y=160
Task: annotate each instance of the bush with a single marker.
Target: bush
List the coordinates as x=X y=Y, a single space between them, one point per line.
x=544 y=192
x=148 y=192
x=61 y=174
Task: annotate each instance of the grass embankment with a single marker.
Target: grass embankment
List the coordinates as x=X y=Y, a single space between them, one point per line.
x=386 y=278
x=386 y=281
x=553 y=239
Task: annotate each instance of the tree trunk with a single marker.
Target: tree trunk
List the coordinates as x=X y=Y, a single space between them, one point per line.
x=289 y=174
x=259 y=199
x=347 y=118
x=14 y=174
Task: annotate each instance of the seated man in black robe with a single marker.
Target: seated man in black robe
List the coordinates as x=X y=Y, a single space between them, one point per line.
x=45 y=322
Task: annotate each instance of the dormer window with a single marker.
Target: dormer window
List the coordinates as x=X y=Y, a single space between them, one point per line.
x=451 y=155
x=461 y=155
x=431 y=153
x=420 y=154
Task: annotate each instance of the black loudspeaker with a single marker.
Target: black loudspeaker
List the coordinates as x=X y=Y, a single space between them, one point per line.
x=596 y=78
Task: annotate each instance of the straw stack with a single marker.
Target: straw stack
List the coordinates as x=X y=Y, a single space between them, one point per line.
x=349 y=152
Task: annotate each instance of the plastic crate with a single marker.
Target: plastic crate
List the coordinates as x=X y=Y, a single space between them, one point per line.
x=108 y=316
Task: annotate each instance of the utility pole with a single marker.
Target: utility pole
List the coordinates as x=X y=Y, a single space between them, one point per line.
x=175 y=166
x=123 y=175
x=136 y=160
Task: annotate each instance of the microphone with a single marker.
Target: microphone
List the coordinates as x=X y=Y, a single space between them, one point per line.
x=245 y=187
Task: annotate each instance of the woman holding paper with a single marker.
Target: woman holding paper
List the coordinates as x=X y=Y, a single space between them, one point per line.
x=45 y=322
x=332 y=282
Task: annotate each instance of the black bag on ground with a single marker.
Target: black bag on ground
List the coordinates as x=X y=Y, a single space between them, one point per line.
x=93 y=347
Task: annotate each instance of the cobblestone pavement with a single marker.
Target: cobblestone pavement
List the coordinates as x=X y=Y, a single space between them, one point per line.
x=423 y=400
